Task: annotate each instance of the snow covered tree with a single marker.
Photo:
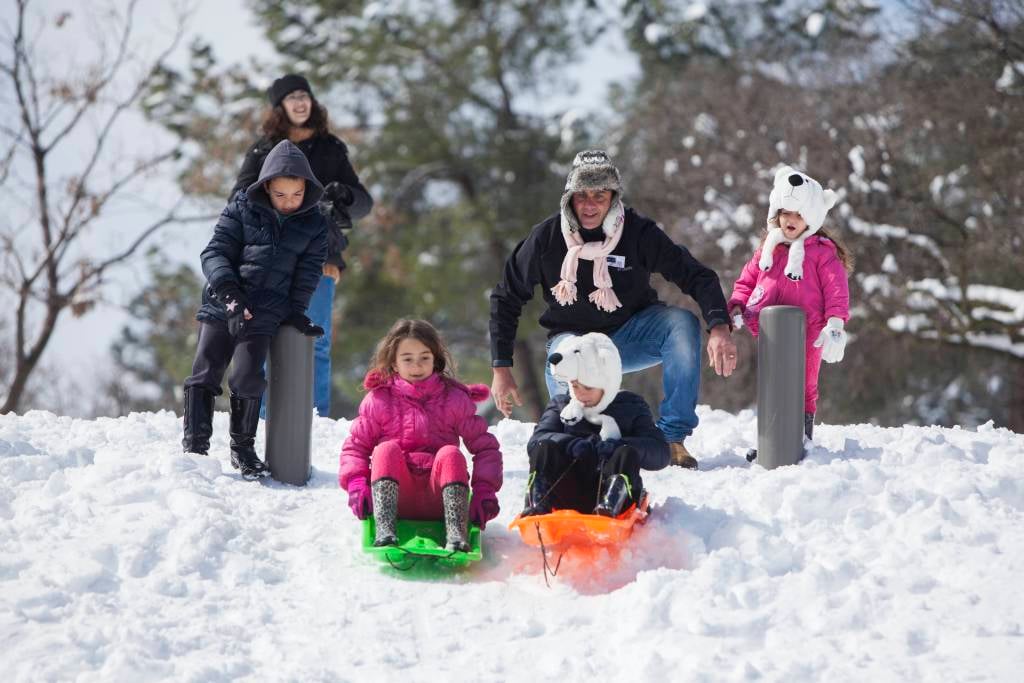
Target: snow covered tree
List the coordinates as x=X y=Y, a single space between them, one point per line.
x=444 y=99
x=915 y=132
x=214 y=110
x=936 y=184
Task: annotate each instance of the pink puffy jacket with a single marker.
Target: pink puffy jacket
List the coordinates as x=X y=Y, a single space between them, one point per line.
x=823 y=292
x=422 y=417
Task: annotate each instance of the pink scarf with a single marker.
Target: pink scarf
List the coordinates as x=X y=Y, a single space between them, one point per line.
x=604 y=296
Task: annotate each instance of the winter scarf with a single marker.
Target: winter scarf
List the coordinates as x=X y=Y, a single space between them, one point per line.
x=603 y=296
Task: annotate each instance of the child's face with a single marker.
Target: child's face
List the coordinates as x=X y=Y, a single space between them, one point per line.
x=588 y=396
x=792 y=224
x=414 y=362
x=286 y=194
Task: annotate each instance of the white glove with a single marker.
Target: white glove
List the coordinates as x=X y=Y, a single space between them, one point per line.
x=832 y=341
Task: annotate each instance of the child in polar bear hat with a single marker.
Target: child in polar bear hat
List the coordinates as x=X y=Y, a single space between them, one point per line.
x=814 y=276
x=794 y=192
x=589 y=446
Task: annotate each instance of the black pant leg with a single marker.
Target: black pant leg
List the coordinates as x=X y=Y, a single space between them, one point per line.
x=247 y=378
x=213 y=354
x=625 y=460
x=577 y=480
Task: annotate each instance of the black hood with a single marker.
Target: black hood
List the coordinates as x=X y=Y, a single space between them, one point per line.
x=286 y=160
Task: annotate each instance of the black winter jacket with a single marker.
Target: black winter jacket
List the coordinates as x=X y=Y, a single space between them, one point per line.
x=277 y=264
x=630 y=412
x=643 y=249
x=328 y=157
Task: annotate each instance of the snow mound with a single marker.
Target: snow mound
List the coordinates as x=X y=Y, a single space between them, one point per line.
x=888 y=554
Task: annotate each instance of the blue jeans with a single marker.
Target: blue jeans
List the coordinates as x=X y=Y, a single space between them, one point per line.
x=320 y=311
x=657 y=334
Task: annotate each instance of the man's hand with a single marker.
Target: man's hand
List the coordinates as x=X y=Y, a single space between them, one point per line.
x=721 y=350
x=505 y=390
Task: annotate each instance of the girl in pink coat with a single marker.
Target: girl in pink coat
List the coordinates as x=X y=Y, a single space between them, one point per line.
x=402 y=457
x=799 y=264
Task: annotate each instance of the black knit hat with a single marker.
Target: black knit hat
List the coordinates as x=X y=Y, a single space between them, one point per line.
x=284 y=85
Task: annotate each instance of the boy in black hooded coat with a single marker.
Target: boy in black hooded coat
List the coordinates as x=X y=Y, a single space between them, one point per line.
x=261 y=266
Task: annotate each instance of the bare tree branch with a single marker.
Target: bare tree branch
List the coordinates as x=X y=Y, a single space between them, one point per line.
x=45 y=288
x=93 y=90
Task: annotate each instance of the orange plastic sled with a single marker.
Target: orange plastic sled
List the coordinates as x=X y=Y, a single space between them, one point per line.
x=562 y=528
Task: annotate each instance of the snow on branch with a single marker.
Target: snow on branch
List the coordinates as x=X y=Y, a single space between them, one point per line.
x=990 y=317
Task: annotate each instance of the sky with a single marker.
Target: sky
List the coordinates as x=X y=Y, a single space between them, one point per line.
x=80 y=347
x=887 y=555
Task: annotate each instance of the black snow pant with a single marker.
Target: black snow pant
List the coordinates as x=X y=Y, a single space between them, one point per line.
x=580 y=487
x=216 y=349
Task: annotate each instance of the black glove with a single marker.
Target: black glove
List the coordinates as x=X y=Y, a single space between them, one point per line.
x=337 y=216
x=338 y=193
x=304 y=325
x=583 y=448
x=235 y=304
x=334 y=205
x=605 y=449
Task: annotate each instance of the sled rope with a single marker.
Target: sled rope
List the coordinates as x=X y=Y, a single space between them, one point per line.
x=414 y=558
x=544 y=555
x=543 y=550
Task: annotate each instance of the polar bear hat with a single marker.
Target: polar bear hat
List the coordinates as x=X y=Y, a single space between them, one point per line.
x=593 y=361
x=795 y=191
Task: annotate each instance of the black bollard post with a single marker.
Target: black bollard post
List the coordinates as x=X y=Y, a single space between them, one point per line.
x=290 y=406
x=780 y=386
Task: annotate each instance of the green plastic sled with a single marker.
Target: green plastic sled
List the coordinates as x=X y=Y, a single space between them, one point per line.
x=421 y=540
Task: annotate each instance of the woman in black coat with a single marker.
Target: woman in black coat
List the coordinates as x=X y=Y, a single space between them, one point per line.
x=296 y=115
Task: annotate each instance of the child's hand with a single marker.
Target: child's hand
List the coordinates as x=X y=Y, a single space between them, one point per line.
x=483 y=507
x=607 y=448
x=582 y=448
x=360 y=499
x=737 y=317
x=236 y=305
x=304 y=325
x=832 y=341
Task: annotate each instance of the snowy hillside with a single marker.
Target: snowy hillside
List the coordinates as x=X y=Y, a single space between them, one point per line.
x=888 y=555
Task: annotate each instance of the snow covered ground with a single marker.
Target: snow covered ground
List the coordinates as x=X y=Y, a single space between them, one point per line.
x=888 y=555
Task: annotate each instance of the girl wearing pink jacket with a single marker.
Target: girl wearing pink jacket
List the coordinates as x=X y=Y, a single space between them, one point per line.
x=799 y=264
x=402 y=457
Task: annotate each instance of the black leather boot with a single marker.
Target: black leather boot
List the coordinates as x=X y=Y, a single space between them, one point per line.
x=538 y=502
x=198 y=420
x=245 y=416
x=615 y=496
x=809 y=425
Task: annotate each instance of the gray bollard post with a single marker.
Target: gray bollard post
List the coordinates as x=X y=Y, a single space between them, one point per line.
x=290 y=406
x=780 y=386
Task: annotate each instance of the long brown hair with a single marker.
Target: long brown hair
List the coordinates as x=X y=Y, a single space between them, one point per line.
x=276 y=123
x=845 y=257
x=423 y=332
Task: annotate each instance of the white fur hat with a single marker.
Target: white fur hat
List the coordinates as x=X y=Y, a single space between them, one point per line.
x=592 y=169
x=592 y=360
x=796 y=191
